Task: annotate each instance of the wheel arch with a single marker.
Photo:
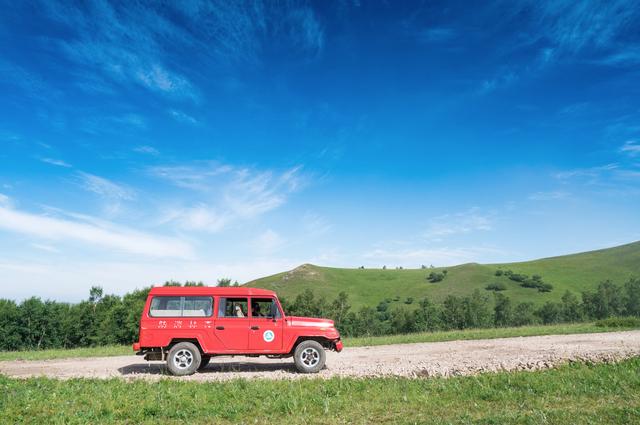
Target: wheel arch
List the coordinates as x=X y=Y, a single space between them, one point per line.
x=324 y=341
x=194 y=341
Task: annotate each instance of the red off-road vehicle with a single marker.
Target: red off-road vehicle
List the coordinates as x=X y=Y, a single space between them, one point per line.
x=186 y=326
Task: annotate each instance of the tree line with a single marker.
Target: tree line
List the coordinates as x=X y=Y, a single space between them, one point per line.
x=477 y=310
x=111 y=319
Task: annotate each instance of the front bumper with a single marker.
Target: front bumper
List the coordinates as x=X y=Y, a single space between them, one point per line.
x=338 y=345
x=136 y=346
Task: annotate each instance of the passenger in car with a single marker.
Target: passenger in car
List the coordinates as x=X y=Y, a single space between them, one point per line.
x=239 y=312
x=255 y=310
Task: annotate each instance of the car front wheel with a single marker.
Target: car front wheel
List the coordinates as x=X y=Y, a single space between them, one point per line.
x=309 y=357
x=183 y=359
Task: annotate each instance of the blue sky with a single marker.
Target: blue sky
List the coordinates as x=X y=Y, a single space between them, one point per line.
x=199 y=140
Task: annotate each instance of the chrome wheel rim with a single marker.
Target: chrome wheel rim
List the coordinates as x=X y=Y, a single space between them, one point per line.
x=310 y=357
x=182 y=359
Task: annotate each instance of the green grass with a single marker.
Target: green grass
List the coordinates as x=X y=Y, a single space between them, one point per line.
x=111 y=350
x=563 y=329
x=575 y=393
x=577 y=272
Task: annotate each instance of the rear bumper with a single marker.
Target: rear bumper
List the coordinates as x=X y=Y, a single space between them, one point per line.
x=136 y=346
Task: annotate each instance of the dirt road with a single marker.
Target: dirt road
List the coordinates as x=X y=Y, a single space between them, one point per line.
x=412 y=360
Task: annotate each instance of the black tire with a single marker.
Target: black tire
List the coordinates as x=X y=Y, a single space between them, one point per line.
x=204 y=362
x=309 y=357
x=184 y=359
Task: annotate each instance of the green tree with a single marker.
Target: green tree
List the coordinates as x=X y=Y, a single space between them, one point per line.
x=224 y=282
x=550 y=313
x=524 y=314
x=571 y=308
x=453 y=313
x=632 y=297
x=9 y=330
x=427 y=316
x=605 y=302
x=502 y=311
x=477 y=310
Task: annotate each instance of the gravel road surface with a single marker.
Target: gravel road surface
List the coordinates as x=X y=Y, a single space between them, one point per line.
x=411 y=360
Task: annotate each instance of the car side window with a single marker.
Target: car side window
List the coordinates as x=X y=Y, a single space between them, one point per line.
x=181 y=307
x=233 y=308
x=262 y=307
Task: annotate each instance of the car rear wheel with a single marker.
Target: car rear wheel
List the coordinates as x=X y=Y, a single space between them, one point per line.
x=183 y=359
x=309 y=357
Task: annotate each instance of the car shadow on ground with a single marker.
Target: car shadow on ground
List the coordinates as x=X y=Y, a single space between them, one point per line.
x=237 y=367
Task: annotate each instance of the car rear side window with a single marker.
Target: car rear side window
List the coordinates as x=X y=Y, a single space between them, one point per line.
x=233 y=308
x=181 y=307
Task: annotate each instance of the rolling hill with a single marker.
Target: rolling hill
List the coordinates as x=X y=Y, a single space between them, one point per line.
x=576 y=272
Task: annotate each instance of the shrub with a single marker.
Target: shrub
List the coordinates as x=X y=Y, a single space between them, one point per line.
x=517 y=277
x=409 y=300
x=496 y=286
x=619 y=322
x=499 y=272
x=435 y=277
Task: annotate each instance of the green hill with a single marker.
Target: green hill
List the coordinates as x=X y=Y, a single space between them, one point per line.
x=576 y=272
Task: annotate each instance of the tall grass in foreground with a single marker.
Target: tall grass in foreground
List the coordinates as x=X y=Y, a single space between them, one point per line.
x=608 y=325
x=575 y=393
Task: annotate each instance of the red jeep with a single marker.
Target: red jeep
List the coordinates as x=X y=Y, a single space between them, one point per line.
x=186 y=326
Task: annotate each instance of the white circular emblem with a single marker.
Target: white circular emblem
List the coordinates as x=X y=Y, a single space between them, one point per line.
x=268 y=336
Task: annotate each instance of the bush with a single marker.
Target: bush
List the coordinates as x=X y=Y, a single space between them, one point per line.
x=517 y=277
x=619 y=322
x=409 y=300
x=497 y=286
x=435 y=277
x=499 y=272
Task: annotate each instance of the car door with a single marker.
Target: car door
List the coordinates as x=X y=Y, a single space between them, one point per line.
x=232 y=323
x=265 y=334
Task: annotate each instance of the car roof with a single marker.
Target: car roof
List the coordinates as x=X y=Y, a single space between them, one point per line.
x=211 y=290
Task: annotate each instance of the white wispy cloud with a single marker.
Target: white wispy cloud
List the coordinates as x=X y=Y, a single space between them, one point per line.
x=201 y=217
x=200 y=177
x=96 y=233
x=548 y=196
x=592 y=172
x=145 y=149
x=226 y=193
x=502 y=80
x=104 y=187
x=56 y=162
x=182 y=117
x=631 y=147
x=47 y=248
x=123 y=44
x=5 y=201
x=250 y=194
x=268 y=241
x=468 y=221
x=595 y=29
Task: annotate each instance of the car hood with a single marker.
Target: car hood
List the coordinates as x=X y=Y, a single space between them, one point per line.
x=310 y=321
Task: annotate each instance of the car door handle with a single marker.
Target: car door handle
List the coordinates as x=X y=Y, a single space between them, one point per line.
x=220 y=328
x=255 y=328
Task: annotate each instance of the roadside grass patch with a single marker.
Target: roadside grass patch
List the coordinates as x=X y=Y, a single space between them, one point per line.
x=575 y=393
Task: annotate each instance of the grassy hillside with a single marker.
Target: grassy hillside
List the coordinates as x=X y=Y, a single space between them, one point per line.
x=577 y=272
